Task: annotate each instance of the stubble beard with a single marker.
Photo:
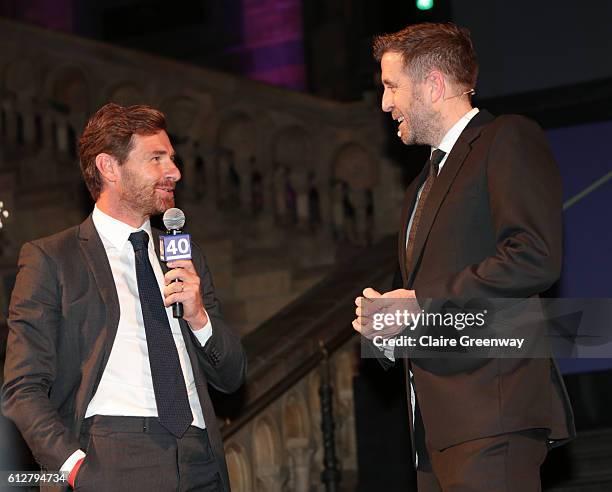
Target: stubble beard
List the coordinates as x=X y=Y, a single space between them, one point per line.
x=142 y=197
x=425 y=124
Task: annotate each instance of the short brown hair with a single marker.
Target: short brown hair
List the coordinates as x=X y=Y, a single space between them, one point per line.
x=110 y=131
x=429 y=46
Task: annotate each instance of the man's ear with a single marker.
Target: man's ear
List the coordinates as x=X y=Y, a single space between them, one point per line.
x=108 y=167
x=436 y=85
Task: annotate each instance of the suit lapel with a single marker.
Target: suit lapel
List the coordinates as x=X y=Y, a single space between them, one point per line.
x=96 y=258
x=441 y=185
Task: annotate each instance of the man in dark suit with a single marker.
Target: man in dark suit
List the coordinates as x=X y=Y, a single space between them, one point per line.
x=482 y=221
x=100 y=378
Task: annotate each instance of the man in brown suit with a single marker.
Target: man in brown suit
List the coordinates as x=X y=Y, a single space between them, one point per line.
x=100 y=378
x=482 y=221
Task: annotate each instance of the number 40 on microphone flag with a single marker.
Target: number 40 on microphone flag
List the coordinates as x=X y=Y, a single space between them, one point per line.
x=175 y=247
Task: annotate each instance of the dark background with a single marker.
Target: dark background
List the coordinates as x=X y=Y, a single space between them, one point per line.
x=324 y=46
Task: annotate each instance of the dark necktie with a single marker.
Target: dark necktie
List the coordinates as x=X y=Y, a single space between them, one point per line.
x=173 y=408
x=433 y=164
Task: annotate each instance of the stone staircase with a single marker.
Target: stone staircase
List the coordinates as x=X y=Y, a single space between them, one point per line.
x=315 y=159
x=258 y=268
x=584 y=465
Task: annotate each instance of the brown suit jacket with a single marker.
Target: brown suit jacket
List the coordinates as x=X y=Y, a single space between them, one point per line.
x=63 y=319
x=491 y=228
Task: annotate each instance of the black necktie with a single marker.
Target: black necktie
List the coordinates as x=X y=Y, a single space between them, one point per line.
x=173 y=408
x=433 y=164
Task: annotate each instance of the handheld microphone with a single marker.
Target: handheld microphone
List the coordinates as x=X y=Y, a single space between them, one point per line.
x=175 y=245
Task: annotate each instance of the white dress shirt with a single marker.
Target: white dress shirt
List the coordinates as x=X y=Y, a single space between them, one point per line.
x=126 y=387
x=446 y=145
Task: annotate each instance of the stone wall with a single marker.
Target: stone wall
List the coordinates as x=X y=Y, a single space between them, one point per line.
x=276 y=187
x=276 y=184
x=281 y=449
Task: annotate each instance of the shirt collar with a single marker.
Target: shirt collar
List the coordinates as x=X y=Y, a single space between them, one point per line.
x=114 y=231
x=453 y=134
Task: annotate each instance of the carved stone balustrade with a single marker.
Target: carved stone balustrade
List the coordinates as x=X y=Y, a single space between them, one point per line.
x=273 y=436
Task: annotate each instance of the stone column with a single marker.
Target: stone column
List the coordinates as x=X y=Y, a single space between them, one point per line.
x=337 y=209
x=269 y=195
x=190 y=177
x=280 y=206
x=300 y=454
x=10 y=123
x=325 y=202
x=207 y=191
x=300 y=183
x=47 y=130
x=188 y=174
x=271 y=476
x=348 y=441
x=244 y=171
x=9 y=242
x=358 y=200
x=222 y=171
x=62 y=134
x=29 y=127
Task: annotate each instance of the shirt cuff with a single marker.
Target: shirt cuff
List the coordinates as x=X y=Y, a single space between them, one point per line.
x=204 y=333
x=389 y=353
x=71 y=461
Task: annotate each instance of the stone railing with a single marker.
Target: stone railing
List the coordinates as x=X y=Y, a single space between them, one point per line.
x=276 y=184
x=273 y=437
x=271 y=152
x=272 y=427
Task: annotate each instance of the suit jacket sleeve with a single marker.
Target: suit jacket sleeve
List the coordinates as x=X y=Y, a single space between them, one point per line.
x=222 y=358
x=524 y=189
x=30 y=369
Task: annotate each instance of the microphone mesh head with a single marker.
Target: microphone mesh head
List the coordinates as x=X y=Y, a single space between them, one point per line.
x=174 y=218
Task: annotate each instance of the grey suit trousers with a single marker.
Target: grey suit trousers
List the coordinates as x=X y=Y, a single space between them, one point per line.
x=138 y=453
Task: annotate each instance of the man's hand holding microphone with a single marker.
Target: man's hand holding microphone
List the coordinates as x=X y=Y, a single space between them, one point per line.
x=182 y=282
x=183 y=285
